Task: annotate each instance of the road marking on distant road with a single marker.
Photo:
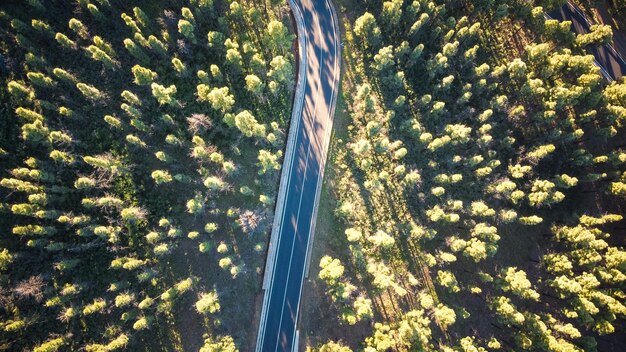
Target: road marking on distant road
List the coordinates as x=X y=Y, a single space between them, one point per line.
x=603 y=70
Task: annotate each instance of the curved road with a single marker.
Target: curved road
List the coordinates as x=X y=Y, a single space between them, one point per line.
x=303 y=168
x=612 y=64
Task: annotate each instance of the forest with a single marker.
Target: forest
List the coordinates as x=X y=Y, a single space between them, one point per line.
x=476 y=187
x=140 y=148
x=473 y=200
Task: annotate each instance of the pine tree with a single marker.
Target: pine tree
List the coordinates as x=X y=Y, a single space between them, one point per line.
x=164 y=95
x=143 y=76
x=366 y=28
x=79 y=28
x=186 y=29
x=90 y=92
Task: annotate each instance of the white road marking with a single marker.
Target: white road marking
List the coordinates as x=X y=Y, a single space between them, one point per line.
x=302 y=84
x=603 y=71
x=311 y=138
x=293 y=244
x=323 y=163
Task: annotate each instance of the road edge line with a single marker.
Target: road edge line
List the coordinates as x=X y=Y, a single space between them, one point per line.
x=296 y=117
x=318 y=190
x=308 y=254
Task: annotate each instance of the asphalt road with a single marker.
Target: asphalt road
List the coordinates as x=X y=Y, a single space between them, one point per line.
x=277 y=330
x=611 y=63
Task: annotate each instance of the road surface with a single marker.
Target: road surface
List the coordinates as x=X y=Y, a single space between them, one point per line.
x=302 y=173
x=612 y=64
